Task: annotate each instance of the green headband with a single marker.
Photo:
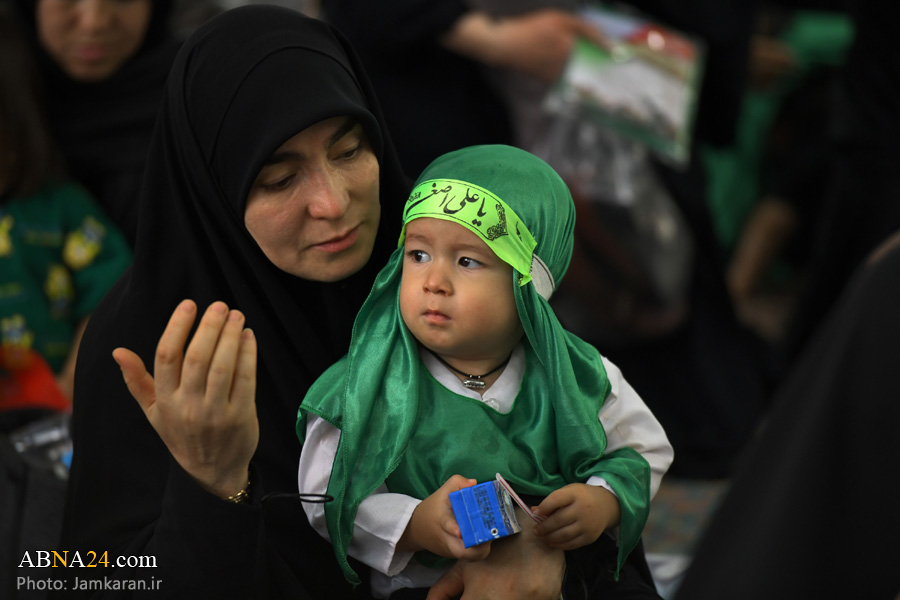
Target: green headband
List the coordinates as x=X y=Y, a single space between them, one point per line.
x=479 y=211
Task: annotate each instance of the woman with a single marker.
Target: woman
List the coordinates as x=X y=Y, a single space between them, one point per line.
x=217 y=129
x=104 y=64
x=246 y=118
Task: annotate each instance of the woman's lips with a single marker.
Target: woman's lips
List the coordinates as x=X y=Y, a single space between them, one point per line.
x=339 y=244
x=91 y=53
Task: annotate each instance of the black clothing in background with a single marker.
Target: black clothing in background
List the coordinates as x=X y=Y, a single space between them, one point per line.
x=244 y=83
x=434 y=101
x=725 y=28
x=812 y=509
x=103 y=128
x=862 y=206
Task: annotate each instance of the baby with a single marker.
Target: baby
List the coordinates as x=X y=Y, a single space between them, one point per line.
x=459 y=366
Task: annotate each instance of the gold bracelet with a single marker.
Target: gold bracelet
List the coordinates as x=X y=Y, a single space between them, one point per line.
x=242 y=497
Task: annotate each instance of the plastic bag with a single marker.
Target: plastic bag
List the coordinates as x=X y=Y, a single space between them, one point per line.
x=34 y=460
x=631 y=268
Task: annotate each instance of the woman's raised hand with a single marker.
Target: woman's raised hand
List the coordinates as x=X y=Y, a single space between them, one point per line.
x=202 y=400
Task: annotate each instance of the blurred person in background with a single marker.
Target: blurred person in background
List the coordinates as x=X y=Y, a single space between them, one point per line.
x=59 y=253
x=427 y=61
x=104 y=64
x=862 y=207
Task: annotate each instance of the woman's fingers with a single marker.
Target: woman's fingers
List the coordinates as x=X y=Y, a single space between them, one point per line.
x=245 y=374
x=170 y=350
x=450 y=585
x=208 y=367
x=223 y=365
x=200 y=351
x=139 y=381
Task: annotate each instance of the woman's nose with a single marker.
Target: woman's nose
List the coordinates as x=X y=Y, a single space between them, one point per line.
x=96 y=15
x=328 y=196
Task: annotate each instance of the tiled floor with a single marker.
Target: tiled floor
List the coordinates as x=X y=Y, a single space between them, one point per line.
x=678 y=515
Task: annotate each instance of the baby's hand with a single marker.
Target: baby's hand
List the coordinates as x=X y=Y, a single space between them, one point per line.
x=576 y=515
x=433 y=526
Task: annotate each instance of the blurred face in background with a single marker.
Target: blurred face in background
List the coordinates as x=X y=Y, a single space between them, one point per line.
x=92 y=39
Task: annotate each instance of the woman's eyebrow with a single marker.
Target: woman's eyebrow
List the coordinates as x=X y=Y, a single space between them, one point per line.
x=280 y=157
x=346 y=127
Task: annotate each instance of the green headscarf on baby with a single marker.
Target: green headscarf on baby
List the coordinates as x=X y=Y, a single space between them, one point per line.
x=523 y=210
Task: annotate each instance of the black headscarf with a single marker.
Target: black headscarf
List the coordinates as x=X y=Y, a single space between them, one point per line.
x=103 y=128
x=243 y=84
x=228 y=106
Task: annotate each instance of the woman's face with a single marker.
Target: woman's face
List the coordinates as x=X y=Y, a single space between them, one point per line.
x=92 y=39
x=314 y=207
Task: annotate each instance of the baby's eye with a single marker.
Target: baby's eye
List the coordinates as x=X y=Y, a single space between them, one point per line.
x=469 y=263
x=418 y=256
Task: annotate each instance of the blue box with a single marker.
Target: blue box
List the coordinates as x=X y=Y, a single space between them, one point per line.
x=484 y=512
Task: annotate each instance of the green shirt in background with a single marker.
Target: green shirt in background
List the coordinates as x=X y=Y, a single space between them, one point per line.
x=59 y=254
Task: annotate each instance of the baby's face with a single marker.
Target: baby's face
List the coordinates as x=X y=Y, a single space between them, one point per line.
x=456 y=295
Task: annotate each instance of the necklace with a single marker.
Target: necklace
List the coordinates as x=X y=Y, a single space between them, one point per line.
x=473 y=382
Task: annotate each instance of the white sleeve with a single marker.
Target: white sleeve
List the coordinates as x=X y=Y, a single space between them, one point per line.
x=629 y=423
x=382 y=517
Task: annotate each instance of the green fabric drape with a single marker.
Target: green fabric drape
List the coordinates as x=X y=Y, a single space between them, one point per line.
x=380 y=395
